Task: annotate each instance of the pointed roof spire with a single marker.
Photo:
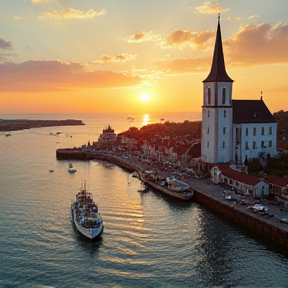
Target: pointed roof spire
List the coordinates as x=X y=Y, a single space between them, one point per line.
x=218 y=72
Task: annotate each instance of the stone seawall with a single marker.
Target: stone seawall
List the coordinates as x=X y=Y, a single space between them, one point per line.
x=246 y=220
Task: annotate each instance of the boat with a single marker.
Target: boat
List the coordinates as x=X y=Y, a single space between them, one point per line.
x=85 y=214
x=71 y=169
x=8 y=134
x=176 y=189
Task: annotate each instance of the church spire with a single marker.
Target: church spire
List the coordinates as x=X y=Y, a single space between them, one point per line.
x=218 y=72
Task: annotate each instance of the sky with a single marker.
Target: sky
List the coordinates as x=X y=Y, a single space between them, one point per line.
x=133 y=56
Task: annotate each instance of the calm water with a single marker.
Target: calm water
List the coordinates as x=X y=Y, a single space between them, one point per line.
x=149 y=240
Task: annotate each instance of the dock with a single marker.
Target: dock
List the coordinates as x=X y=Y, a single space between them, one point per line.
x=207 y=194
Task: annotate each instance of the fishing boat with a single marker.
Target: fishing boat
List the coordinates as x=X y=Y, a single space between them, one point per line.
x=85 y=214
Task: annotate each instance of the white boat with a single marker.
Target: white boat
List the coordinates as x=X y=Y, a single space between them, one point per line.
x=85 y=214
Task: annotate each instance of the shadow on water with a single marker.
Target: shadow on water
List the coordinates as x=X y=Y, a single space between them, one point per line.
x=91 y=246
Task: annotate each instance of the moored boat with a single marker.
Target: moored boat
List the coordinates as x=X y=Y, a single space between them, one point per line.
x=173 y=187
x=85 y=214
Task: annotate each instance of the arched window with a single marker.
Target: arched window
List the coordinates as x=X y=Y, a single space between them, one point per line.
x=209 y=95
x=224 y=96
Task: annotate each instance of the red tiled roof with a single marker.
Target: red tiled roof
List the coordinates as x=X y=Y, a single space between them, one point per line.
x=242 y=177
x=282 y=144
x=277 y=181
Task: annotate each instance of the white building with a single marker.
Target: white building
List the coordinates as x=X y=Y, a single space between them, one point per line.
x=233 y=130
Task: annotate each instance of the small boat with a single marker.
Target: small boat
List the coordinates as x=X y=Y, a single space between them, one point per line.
x=8 y=134
x=51 y=170
x=71 y=169
x=85 y=214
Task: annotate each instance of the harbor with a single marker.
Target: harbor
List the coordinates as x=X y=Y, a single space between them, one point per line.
x=206 y=193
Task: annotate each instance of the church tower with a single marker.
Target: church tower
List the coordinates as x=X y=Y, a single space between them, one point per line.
x=217 y=111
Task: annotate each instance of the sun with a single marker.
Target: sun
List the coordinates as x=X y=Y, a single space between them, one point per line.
x=144 y=97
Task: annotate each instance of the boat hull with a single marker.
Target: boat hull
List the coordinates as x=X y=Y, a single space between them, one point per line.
x=91 y=233
x=180 y=195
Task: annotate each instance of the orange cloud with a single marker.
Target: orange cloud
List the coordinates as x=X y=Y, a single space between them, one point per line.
x=211 y=7
x=260 y=44
x=70 y=13
x=141 y=37
x=124 y=57
x=180 y=37
x=55 y=75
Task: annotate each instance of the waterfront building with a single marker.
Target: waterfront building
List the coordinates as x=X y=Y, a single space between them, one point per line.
x=233 y=130
x=107 y=138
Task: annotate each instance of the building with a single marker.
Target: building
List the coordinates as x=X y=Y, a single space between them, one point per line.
x=233 y=130
x=242 y=182
x=107 y=138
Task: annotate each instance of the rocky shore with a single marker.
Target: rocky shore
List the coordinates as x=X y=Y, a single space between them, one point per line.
x=20 y=124
x=206 y=193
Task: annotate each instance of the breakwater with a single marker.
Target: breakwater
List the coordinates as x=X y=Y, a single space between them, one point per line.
x=275 y=232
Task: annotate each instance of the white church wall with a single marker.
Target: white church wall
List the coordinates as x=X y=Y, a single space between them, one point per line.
x=258 y=141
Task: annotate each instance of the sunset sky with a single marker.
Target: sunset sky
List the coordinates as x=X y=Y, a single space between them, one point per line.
x=133 y=56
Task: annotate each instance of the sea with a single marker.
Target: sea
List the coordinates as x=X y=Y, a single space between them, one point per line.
x=149 y=240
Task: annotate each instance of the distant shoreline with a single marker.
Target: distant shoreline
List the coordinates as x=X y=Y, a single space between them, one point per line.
x=21 y=124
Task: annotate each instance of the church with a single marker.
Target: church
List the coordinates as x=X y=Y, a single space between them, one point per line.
x=233 y=130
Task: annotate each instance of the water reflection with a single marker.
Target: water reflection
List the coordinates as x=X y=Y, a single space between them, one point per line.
x=215 y=247
x=146 y=119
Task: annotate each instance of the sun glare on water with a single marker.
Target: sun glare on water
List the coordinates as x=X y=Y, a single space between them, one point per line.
x=144 y=97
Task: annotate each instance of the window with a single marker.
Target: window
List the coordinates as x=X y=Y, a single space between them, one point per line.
x=207 y=144
x=224 y=130
x=224 y=144
x=270 y=143
x=246 y=145
x=262 y=144
x=224 y=96
x=262 y=130
x=208 y=130
x=254 y=144
x=254 y=131
x=270 y=130
x=208 y=114
x=209 y=95
x=224 y=113
x=247 y=132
